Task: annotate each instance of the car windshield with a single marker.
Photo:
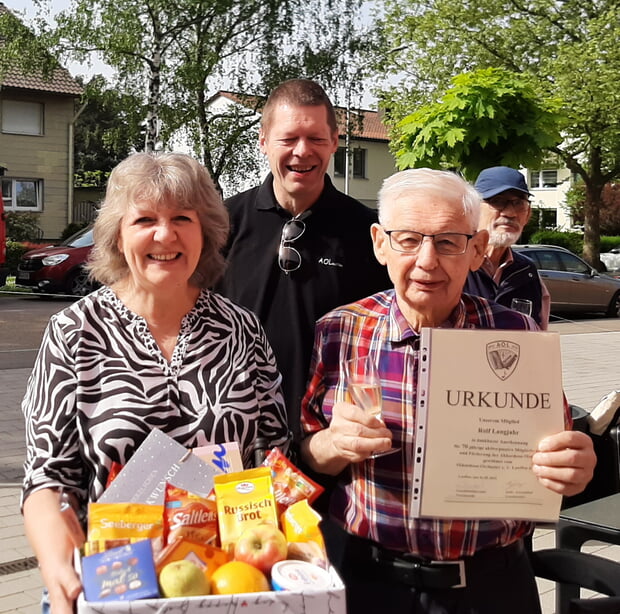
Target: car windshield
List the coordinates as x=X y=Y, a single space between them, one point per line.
x=82 y=238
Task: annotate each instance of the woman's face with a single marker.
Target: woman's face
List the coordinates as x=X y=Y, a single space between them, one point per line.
x=161 y=243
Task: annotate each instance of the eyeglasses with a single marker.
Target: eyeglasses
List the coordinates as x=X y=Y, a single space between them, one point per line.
x=500 y=203
x=289 y=259
x=445 y=243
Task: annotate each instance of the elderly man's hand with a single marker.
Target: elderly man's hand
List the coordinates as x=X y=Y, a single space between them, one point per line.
x=565 y=462
x=355 y=434
x=352 y=436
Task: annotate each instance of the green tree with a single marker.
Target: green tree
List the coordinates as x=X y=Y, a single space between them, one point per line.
x=107 y=130
x=568 y=47
x=488 y=117
x=312 y=39
x=610 y=206
x=20 y=50
x=184 y=52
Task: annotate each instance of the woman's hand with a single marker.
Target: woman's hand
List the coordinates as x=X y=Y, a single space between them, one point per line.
x=63 y=587
x=53 y=546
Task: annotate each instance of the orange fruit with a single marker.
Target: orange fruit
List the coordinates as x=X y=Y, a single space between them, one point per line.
x=238 y=577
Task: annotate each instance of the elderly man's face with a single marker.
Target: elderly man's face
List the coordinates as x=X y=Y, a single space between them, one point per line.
x=428 y=284
x=504 y=216
x=298 y=143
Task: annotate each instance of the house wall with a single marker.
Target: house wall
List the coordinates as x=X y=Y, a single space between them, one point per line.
x=554 y=198
x=43 y=157
x=379 y=165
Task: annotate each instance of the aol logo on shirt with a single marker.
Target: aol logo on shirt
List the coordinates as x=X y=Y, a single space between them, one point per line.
x=329 y=262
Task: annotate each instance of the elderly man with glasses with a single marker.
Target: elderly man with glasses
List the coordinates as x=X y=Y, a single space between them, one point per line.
x=298 y=247
x=506 y=275
x=392 y=563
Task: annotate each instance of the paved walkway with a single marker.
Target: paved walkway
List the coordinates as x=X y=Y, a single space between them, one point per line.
x=590 y=359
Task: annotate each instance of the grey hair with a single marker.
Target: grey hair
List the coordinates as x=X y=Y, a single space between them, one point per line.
x=161 y=180
x=441 y=183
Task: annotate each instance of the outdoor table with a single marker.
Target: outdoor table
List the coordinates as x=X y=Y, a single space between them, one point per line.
x=597 y=520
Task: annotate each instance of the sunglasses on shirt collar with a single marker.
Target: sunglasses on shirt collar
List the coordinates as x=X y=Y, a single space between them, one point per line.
x=289 y=259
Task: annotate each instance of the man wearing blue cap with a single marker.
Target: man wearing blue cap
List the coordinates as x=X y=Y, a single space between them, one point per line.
x=505 y=274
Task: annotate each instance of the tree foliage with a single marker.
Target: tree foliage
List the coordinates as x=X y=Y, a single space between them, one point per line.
x=173 y=57
x=610 y=206
x=107 y=130
x=20 y=50
x=567 y=47
x=488 y=117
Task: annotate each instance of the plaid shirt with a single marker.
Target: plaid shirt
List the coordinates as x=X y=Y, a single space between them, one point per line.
x=371 y=499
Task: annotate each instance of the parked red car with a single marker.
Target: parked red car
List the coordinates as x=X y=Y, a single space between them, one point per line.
x=59 y=268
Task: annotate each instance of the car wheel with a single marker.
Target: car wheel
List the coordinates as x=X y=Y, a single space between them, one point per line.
x=613 y=311
x=79 y=284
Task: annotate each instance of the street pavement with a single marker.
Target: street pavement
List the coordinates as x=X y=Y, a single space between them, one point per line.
x=590 y=359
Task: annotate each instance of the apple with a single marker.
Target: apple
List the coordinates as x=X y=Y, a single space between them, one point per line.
x=183 y=579
x=262 y=546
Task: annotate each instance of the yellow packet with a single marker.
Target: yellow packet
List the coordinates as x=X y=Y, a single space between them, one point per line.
x=244 y=499
x=300 y=524
x=118 y=524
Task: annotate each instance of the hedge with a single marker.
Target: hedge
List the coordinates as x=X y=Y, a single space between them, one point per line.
x=608 y=243
x=572 y=241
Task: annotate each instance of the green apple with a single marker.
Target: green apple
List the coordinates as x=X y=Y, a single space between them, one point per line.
x=183 y=579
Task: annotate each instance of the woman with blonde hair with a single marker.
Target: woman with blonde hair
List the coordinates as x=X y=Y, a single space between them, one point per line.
x=152 y=348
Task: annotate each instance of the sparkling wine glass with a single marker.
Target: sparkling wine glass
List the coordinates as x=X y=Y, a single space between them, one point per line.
x=364 y=386
x=522 y=305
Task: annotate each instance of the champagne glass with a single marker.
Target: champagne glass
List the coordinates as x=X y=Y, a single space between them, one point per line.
x=522 y=305
x=364 y=386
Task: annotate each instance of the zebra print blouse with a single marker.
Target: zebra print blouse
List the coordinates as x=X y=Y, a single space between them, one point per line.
x=100 y=385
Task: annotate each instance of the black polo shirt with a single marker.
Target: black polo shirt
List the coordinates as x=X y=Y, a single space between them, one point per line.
x=338 y=266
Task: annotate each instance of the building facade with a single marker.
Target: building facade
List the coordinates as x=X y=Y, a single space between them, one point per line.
x=37 y=116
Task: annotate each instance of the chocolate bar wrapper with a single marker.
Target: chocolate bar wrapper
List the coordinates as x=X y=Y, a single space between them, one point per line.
x=120 y=574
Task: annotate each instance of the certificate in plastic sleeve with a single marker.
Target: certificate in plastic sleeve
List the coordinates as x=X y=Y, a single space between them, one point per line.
x=485 y=400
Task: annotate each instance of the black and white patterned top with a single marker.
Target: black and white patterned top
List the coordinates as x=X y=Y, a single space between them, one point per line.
x=100 y=384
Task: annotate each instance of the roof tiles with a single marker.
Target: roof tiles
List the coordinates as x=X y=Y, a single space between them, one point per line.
x=59 y=81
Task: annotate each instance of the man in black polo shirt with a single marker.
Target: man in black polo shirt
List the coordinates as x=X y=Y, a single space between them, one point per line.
x=298 y=247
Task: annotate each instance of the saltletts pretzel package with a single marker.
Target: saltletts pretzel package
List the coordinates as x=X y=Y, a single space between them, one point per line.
x=189 y=516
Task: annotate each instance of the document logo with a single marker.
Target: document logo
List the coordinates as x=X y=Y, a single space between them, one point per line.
x=503 y=357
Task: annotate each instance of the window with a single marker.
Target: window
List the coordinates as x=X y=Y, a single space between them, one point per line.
x=21 y=194
x=543 y=179
x=19 y=117
x=544 y=260
x=339 y=162
x=572 y=264
x=359 y=162
x=543 y=218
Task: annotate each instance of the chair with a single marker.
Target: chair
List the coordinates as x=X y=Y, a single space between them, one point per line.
x=584 y=571
x=606 y=479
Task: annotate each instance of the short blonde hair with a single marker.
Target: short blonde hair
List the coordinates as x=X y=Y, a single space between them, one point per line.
x=444 y=183
x=158 y=179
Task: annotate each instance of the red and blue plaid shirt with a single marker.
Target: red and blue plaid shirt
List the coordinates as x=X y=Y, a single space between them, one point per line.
x=371 y=499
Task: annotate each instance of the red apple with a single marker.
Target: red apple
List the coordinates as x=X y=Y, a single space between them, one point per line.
x=262 y=546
